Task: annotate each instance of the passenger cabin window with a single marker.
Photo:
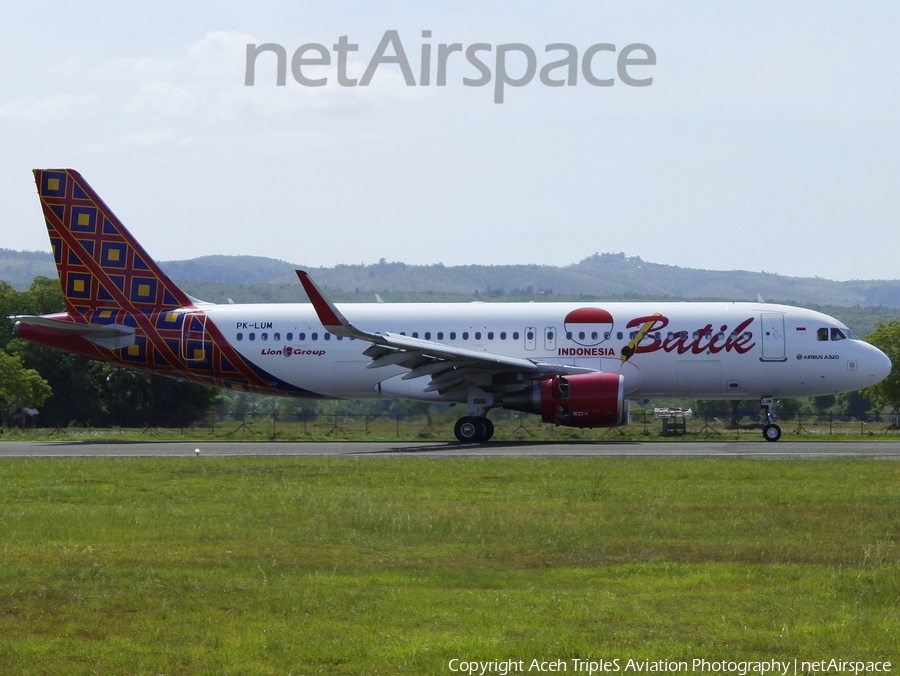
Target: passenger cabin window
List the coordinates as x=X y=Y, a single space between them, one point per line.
x=822 y=334
x=453 y=335
x=300 y=336
x=465 y=335
x=240 y=336
x=478 y=335
x=515 y=335
x=428 y=335
x=276 y=336
x=503 y=335
x=490 y=335
x=440 y=335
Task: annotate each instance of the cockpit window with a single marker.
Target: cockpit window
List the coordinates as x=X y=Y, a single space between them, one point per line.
x=837 y=334
x=822 y=334
x=851 y=335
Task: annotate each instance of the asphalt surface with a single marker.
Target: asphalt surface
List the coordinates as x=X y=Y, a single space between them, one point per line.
x=759 y=449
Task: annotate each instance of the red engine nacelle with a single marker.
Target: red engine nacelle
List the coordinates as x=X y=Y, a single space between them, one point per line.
x=581 y=400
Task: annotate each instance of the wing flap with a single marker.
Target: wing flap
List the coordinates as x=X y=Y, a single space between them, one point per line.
x=387 y=359
x=428 y=369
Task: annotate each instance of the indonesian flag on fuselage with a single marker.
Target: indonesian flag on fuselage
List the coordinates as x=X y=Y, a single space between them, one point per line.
x=589 y=325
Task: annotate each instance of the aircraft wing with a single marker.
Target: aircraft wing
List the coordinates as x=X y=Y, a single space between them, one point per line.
x=448 y=366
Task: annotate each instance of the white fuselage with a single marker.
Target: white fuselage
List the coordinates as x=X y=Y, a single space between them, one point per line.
x=690 y=349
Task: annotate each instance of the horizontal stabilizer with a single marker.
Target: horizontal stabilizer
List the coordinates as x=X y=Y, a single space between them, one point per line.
x=110 y=336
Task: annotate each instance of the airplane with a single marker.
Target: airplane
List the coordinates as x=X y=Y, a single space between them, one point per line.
x=575 y=364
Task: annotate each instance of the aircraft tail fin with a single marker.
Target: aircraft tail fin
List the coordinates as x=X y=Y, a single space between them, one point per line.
x=100 y=264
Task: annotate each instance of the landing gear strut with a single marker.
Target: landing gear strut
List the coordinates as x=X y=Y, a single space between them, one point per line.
x=473 y=429
x=771 y=431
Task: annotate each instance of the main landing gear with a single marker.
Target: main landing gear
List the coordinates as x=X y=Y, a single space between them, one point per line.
x=771 y=431
x=473 y=429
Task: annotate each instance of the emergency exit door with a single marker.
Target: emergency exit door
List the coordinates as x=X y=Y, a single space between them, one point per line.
x=530 y=337
x=550 y=338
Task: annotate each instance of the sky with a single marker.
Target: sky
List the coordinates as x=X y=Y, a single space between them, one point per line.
x=767 y=141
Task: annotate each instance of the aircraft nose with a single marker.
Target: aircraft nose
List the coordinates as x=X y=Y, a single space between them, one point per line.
x=879 y=366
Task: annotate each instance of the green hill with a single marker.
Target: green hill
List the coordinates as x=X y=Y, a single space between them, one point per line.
x=598 y=276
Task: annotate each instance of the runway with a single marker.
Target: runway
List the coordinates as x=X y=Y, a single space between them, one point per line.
x=355 y=449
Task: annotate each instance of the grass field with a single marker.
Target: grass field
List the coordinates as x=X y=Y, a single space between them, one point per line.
x=396 y=566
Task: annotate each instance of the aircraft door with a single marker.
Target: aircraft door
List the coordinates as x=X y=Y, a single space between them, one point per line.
x=530 y=338
x=773 y=336
x=195 y=346
x=550 y=338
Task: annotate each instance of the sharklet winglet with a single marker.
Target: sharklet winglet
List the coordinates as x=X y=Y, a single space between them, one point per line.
x=329 y=315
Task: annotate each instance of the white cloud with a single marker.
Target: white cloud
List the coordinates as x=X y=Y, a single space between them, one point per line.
x=57 y=106
x=202 y=86
x=162 y=98
x=155 y=137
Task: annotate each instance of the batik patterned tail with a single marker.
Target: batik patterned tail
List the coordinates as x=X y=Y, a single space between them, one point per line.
x=100 y=265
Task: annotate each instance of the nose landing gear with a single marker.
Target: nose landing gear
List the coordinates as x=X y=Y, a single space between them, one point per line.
x=771 y=431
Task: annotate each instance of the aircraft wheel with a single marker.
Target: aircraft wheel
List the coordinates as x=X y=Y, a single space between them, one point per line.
x=772 y=432
x=487 y=428
x=468 y=430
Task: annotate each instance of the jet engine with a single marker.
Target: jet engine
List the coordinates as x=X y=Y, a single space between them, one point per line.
x=581 y=400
